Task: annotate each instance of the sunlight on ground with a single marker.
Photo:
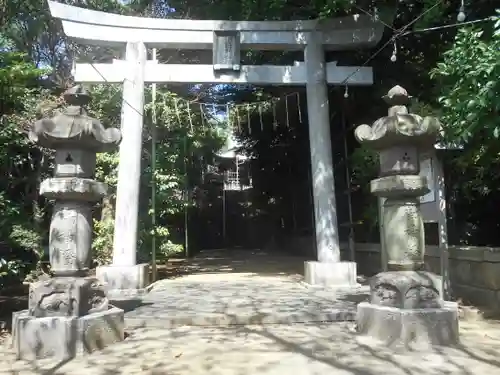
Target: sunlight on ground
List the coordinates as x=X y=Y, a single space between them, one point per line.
x=220 y=265
x=274 y=349
x=277 y=349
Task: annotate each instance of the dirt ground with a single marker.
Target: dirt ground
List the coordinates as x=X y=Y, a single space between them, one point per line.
x=280 y=349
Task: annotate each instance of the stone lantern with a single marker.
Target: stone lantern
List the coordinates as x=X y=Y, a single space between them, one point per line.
x=405 y=303
x=69 y=314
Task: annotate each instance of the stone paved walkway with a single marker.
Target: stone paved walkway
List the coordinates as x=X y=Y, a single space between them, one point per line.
x=242 y=287
x=245 y=301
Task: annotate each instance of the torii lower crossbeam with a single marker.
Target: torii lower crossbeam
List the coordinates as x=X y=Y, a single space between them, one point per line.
x=116 y=72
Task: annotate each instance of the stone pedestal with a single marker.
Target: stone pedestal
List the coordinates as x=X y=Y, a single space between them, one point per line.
x=335 y=274
x=69 y=314
x=65 y=337
x=406 y=307
x=409 y=328
x=124 y=282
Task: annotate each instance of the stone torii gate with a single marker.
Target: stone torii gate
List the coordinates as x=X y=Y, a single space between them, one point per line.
x=226 y=39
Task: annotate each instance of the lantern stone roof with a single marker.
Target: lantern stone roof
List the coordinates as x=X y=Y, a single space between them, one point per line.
x=73 y=128
x=400 y=126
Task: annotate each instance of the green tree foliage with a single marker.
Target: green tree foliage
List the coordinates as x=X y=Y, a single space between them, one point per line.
x=469 y=85
x=20 y=165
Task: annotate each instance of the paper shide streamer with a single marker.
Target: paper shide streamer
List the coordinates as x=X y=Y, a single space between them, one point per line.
x=234 y=112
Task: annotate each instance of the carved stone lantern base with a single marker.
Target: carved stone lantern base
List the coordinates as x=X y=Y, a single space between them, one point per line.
x=65 y=337
x=67 y=296
x=406 y=309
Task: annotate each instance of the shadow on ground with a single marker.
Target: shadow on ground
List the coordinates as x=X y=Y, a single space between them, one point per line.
x=14 y=300
x=298 y=347
x=271 y=349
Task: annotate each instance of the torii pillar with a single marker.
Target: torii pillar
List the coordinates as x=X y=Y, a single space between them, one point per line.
x=327 y=269
x=125 y=278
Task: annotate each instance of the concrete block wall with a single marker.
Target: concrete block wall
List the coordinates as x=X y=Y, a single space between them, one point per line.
x=474 y=271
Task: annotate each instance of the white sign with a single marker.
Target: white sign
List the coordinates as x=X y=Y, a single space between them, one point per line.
x=426 y=170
